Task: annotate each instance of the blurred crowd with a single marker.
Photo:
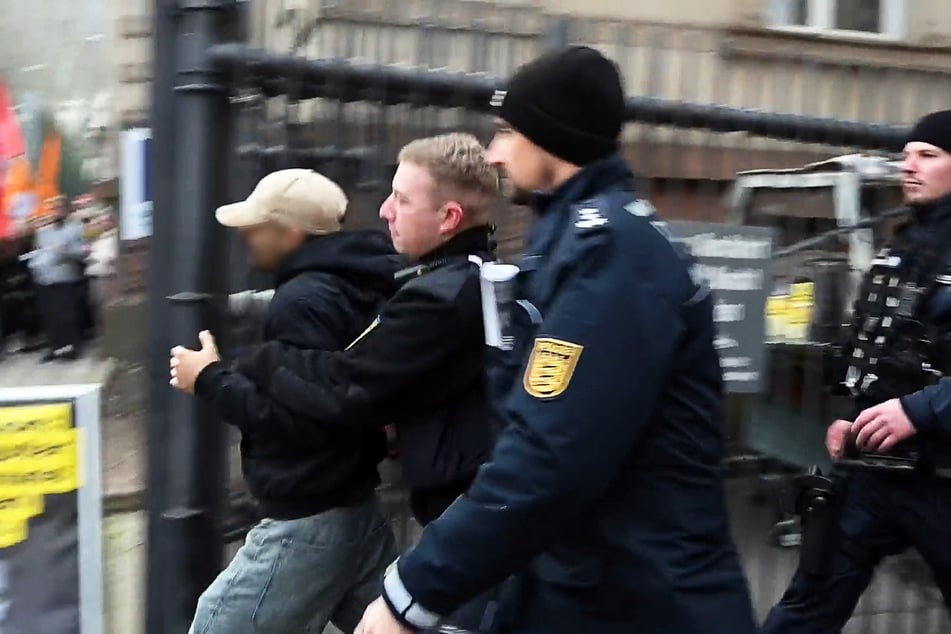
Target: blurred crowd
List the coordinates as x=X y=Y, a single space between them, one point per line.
x=55 y=271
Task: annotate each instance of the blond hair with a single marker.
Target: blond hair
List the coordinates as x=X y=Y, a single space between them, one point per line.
x=457 y=164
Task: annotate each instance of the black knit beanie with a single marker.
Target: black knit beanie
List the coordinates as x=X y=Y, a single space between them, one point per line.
x=934 y=129
x=569 y=102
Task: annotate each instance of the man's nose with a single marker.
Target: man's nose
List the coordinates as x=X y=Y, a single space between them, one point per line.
x=909 y=165
x=386 y=208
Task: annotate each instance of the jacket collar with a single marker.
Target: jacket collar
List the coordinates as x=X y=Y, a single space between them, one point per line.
x=933 y=213
x=594 y=178
x=472 y=241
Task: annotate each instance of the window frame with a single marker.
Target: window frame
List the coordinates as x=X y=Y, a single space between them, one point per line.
x=820 y=18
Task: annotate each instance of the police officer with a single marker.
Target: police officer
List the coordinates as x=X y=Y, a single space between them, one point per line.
x=603 y=500
x=898 y=345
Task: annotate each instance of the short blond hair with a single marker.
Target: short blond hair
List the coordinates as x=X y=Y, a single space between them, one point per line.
x=456 y=161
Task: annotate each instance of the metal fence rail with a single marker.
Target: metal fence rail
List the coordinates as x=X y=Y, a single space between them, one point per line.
x=347 y=81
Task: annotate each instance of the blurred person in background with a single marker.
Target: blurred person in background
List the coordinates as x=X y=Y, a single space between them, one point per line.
x=19 y=294
x=603 y=503
x=318 y=554
x=57 y=265
x=101 y=263
x=84 y=209
x=900 y=341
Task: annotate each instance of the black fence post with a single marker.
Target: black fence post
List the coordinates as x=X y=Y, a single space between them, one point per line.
x=163 y=123
x=187 y=456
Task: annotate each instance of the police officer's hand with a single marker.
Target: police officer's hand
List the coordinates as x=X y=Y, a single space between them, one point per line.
x=185 y=365
x=379 y=620
x=836 y=438
x=882 y=427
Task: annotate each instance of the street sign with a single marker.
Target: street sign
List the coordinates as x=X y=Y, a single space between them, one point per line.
x=135 y=196
x=732 y=260
x=50 y=510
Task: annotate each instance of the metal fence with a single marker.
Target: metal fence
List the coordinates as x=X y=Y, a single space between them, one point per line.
x=341 y=86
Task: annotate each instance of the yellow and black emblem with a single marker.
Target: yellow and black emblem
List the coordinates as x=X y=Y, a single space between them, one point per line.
x=550 y=367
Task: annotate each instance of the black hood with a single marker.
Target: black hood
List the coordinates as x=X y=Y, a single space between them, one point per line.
x=364 y=258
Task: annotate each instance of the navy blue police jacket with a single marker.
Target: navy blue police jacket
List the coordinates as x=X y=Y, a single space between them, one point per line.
x=602 y=504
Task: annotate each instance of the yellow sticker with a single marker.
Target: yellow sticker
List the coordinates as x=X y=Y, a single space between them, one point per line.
x=376 y=322
x=25 y=506
x=23 y=418
x=551 y=367
x=13 y=532
x=39 y=462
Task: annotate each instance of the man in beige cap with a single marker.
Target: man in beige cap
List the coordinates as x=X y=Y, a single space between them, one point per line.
x=320 y=553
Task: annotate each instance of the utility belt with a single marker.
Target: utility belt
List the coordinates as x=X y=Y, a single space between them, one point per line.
x=818 y=499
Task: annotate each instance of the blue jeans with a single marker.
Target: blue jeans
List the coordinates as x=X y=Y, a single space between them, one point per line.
x=294 y=576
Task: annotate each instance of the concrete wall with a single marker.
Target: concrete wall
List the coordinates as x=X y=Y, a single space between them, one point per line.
x=929 y=21
x=697 y=12
x=132 y=28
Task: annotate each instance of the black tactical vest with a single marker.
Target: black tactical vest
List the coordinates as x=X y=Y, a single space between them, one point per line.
x=891 y=352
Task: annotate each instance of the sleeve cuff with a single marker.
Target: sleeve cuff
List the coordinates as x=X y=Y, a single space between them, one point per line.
x=207 y=378
x=917 y=407
x=404 y=607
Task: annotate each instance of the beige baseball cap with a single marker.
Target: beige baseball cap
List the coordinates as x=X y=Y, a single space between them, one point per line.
x=296 y=198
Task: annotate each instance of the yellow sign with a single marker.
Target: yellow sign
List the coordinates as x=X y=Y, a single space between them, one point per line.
x=17 y=418
x=789 y=316
x=799 y=310
x=39 y=455
x=551 y=367
x=13 y=531
x=25 y=506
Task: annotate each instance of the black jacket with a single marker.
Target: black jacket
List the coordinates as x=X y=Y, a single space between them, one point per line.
x=327 y=292
x=420 y=366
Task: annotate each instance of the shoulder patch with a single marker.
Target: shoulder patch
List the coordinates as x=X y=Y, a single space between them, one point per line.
x=589 y=218
x=550 y=367
x=640 y=207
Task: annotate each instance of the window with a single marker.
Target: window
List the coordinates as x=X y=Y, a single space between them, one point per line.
x=875 y=18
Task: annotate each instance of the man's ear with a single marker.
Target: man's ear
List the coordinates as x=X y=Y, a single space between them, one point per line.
x=454 y=217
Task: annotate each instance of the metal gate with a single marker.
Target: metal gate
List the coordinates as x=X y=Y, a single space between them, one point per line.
x=319 y=85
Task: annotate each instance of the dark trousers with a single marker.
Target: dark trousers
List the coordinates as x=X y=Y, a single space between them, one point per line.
x=87 y=312
x=884 y=515
x=60 y=313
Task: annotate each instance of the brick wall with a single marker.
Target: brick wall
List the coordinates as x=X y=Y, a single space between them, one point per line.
x=133 y=267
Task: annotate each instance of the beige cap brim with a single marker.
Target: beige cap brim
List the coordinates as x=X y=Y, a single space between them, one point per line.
x=242 y=214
